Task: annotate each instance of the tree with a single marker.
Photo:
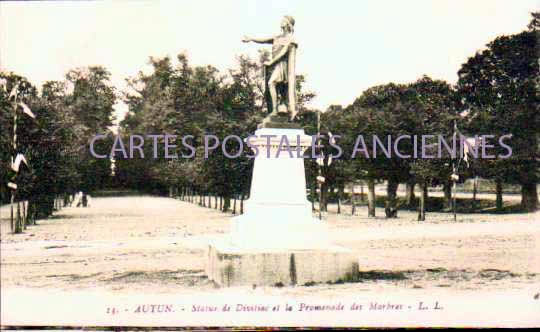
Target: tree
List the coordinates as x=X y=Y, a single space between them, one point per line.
x=384 y=111
x=55 y=143
x=91 y=103
x=434 y=114
x=499 y=90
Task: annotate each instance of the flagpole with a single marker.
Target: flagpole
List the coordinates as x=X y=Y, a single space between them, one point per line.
x=319 y=168
x=454 y=173
x=16 y=222
x=454 y=199
x=14 y=225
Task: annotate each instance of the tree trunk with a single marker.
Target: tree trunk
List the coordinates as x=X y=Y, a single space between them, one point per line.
x=30 y=213
x=409 y=193
x=51 y=205
x=499 y=193
x=313 y=195
x=529 y=197
x=340 y=191
x=353 y=205
x=171 y=191
x=242 y=204
x=447 y=188
x=220 y=203
x=24 y=221
x=422 y=203
x=475 y=191
x=371 y=198
x=215 y=202
x=226 y=203
x=12 y=220
x=391 y=194
x=324 y=198
x=33 y=215
x=29 y=220
x=234 y=206
x=18 y=221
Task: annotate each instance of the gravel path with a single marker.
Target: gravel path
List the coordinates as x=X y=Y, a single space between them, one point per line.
x=156 y=244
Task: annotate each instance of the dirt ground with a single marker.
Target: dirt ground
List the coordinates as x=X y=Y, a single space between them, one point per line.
x=149 y=244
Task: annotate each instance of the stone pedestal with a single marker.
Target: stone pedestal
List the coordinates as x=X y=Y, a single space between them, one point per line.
x=229 y=265
x=277 y=240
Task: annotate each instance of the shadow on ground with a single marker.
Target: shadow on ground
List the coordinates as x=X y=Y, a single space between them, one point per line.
x=442 y=275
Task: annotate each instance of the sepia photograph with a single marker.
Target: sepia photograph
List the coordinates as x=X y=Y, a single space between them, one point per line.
x=253 y=165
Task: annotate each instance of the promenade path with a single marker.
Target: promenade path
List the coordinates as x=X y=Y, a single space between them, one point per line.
x=140 y=249
x=132 y=242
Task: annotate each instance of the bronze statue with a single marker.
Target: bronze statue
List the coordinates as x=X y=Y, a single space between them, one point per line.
x=279 y=71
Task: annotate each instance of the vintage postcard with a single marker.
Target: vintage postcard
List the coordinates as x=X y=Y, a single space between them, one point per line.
x=262 y=164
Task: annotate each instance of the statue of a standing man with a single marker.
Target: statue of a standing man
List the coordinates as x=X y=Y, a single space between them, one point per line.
x=279 y=71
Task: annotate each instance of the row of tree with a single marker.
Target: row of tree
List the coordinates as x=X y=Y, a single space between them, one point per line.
x=55 y=142
x=496 y=94
x=184 y=100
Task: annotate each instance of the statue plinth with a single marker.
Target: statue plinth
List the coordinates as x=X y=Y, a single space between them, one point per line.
x=278 y=121
x=277 y=239
x=278 y=214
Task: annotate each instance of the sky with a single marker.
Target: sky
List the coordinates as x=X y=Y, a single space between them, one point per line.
x=345 y=47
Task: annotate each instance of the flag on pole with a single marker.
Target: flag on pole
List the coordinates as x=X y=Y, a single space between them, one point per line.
x=26 y=110
x=320 y=159
x=468 y=143
x=15 y=165
x=3 y=84
x=13 y=92
x=332 y=139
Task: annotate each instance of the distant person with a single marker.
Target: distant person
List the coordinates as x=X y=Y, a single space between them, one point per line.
x=84 y=200
x=78 y=198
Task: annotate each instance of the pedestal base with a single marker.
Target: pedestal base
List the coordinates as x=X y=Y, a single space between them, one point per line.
x=233 y=266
